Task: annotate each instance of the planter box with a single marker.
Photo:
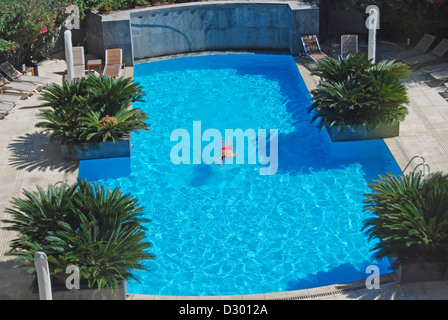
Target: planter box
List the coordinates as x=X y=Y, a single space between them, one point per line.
x=85 y=293
x=97 y=150
x=358 y=133
x=420 y=272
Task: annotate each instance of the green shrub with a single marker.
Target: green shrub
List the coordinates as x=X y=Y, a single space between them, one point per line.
x=354 y=91
x=100 y=231
x=79 y=109
x=410 y=217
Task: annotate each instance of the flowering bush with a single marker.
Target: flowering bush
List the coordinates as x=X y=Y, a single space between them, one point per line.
x=29 y=28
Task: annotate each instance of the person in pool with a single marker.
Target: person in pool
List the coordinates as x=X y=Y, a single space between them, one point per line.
x=226 y=152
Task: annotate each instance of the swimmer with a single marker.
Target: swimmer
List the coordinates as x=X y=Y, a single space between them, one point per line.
x=226 y=152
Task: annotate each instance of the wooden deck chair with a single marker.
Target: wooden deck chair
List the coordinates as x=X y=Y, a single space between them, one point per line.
x=349 y=44
x=13 y=74
x=312 y=48
x=421 y=47
x=113 y=63
x=434 y=55
x=79 y=64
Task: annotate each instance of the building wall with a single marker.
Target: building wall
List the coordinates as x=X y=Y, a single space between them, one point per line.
x=203 y=26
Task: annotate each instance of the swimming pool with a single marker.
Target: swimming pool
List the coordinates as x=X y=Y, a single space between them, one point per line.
x=229 y=231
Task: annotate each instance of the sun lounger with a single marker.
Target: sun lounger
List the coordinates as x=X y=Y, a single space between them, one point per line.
x=312 y=48
x=435 y=67
x=440 y=75
x=9 y=98
x=434 y=55
x=349 y=44
x=421 y=47
x=25 y=89
x=15 y=75
x=113 y=63
x=5 y=109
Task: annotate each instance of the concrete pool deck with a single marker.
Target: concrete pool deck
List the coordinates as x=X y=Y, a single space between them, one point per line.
x=27 y=159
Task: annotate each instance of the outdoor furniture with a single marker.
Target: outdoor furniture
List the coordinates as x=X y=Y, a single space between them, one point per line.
x=8 y=98
x=434 y=55
x=23 y=88
x=6 y=108
x=15 y=75
x=113 y=63
x=440 y=75
x=312 y=48
x=349 y=44
x=94 y=63
x=435 y=67
x=79 y=67
x=28 y=70
x=421 y=47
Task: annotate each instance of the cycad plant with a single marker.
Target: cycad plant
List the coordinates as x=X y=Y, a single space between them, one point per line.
x=409 y=217
x=354 y=91
x=101 y=231
x=110 y=128
x=77 y=108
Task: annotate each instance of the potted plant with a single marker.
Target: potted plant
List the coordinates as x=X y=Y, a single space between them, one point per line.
x=410 y=220
x=92 y=117
x=357 y=99
x=100 y=231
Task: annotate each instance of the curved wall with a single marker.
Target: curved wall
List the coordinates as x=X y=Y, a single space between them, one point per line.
x=203 y=26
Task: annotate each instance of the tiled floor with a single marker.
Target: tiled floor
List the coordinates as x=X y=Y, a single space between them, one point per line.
x=27 y=159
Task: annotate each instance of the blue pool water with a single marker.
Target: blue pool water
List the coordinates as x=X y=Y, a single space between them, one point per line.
x=230 y=231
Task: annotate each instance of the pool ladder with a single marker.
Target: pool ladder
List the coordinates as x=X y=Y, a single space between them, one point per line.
x=421 y=164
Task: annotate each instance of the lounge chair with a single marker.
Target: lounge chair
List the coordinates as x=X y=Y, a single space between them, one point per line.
x=5 y=109
x=440 y=75
x=349 y=44
x=312 y=48
x=421 y=47
x=113 y=63
x=15 y=75
x=435 y=67
x=434 y=55
x=79 y=64
x=9 y=98
x=23 y=88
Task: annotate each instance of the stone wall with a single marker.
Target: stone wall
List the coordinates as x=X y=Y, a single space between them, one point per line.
x=227 y=25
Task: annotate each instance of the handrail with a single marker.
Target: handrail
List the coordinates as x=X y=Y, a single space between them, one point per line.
x=417 y=156
x=423 y=163
x=61 y=181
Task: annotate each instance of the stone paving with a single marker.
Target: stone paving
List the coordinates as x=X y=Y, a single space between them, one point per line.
x=27 y=159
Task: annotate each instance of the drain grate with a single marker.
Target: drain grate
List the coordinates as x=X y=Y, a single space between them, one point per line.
x=333 y=292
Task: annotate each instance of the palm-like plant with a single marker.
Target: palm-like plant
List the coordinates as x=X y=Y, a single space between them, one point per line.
x=75 y=105
x=354 y=91
x=410 y=217
x=123 y=122
x=101 y=231
x=108 y=95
